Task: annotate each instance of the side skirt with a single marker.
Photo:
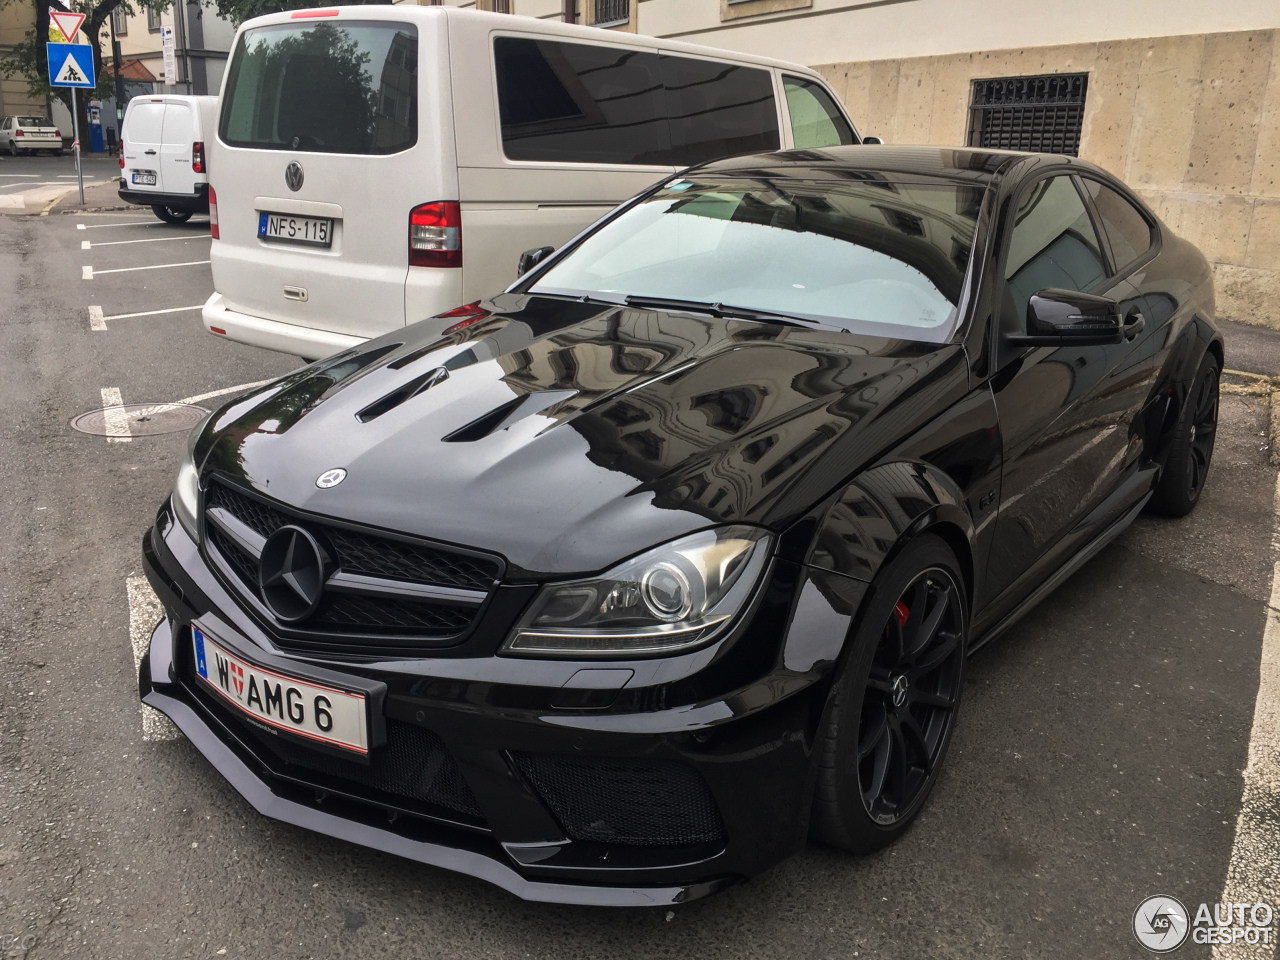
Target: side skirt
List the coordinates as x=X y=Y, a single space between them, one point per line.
x=1083 y=556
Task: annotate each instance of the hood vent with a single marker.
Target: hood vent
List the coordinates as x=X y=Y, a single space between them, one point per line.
x=398 y=396
x=509 y=413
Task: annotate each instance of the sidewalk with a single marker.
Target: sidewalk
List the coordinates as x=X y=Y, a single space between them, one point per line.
x=64 y=197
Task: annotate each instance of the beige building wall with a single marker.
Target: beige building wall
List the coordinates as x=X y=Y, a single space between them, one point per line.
x=1191 y=122
x=15 y=20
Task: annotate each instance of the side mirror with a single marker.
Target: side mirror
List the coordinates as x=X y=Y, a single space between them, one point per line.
x=1062 y=318
x=531 y=258
x=869 y=140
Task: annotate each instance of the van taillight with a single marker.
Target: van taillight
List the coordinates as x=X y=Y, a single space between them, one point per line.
x=122 y=162
x=213 y=213
x=197 y=157
x=435 y=235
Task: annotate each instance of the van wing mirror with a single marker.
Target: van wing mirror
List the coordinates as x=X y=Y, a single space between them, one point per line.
x=1062 y=318
x=531 y=258
x=869 y=140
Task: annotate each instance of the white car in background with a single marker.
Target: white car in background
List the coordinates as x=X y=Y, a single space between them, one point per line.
x=162 y=155
x=21 y=135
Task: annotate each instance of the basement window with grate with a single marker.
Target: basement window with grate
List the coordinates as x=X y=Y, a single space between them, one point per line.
x=1041 y=114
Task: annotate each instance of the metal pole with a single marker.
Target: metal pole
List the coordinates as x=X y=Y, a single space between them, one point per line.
x=75 y=129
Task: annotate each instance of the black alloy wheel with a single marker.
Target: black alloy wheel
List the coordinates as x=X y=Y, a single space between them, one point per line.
x=901 y=688
x=1187 y=467
x=171 y=214
x=911 y=695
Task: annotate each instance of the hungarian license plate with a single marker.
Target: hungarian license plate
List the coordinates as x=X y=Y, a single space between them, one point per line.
x=316 y=712
x=145 y=178
x=285 y=229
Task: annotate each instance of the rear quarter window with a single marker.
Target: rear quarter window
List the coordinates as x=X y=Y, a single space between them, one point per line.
x=334 y=87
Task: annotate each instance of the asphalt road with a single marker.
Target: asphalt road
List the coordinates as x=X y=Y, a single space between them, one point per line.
x=22 y=173
x=1098 y=759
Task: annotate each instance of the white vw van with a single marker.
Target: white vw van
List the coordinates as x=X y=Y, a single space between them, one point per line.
x=162 y=154
x=377 y=165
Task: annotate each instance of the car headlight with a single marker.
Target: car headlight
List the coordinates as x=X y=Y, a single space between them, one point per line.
x=671 y=598
x=186 y=489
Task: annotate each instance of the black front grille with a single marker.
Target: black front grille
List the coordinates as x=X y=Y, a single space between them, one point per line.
x=349 y=611
x=406 y=623
x=634 y=802
x=1043 y=114
x=378 y=557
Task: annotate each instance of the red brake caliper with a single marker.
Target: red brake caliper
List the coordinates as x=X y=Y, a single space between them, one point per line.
x=901 y=612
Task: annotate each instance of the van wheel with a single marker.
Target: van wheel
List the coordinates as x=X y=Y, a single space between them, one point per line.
x=171 y=214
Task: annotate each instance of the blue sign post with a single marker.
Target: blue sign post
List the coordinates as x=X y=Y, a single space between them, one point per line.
x=71 y=65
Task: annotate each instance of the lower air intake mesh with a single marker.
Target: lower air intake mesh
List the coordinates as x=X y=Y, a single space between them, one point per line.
x=635 y=802
x=414 y=763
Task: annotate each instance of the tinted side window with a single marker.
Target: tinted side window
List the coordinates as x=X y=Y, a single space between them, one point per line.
x=571 y=102
x=718 y=109
x=816 y=121
x=1053 y=243
x=1126 y=228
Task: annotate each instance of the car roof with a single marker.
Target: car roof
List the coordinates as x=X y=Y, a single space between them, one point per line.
x=882 y=162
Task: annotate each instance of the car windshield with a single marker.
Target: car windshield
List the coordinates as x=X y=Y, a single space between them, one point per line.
x=872 y=256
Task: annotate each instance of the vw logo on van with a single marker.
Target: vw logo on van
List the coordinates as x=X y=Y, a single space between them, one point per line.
x=293 y=175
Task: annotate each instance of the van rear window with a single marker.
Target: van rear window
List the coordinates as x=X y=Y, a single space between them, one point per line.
x=335 y=87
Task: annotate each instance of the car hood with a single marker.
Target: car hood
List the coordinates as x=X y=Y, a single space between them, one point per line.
x=566 y=436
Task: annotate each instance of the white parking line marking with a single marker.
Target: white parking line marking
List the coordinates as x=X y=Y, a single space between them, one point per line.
x=30 y=175
x=217 y=393
x=117 y=422
x=86 y=273
x=84 y=244
x=1253 y=875
x=151 y=313
x=134 y=223
x=90 y=273
x=145 y=612
x=96 y=320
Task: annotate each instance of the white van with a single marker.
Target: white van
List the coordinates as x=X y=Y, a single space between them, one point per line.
x=162 y=154
x=377 y=165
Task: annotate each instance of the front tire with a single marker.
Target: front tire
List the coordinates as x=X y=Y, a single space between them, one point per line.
x=894 y=706
x=171 y=214
x=1182 y=480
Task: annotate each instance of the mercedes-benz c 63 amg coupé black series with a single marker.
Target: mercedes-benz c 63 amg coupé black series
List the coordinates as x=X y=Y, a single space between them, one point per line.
x=669 y=557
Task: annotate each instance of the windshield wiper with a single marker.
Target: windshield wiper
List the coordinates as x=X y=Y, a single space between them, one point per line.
x=718 y=310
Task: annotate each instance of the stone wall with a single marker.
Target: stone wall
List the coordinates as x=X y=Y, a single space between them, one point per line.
x=1192 y=123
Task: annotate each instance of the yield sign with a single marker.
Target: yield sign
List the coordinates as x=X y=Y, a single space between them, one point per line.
x=68 y=23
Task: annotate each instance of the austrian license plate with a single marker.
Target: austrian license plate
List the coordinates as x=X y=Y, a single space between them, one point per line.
x=145 y=178
x=316 y=712
x=284 y=229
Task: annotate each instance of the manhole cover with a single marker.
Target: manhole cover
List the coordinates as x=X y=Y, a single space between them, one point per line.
x=139 y=419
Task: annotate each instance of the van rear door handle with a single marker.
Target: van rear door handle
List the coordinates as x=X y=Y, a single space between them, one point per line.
x=149 y=153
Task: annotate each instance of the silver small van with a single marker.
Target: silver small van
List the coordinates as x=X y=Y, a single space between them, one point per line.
x=377 y=165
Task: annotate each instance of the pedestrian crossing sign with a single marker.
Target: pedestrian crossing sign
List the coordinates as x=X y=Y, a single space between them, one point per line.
x=70 y=65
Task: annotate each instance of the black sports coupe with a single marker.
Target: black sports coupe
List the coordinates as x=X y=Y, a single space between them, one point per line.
x=618 y=587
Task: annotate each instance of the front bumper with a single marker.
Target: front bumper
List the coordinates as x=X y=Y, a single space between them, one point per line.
x=745 y=725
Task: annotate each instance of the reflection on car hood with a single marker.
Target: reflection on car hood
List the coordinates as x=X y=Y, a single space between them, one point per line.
x=567 y=436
